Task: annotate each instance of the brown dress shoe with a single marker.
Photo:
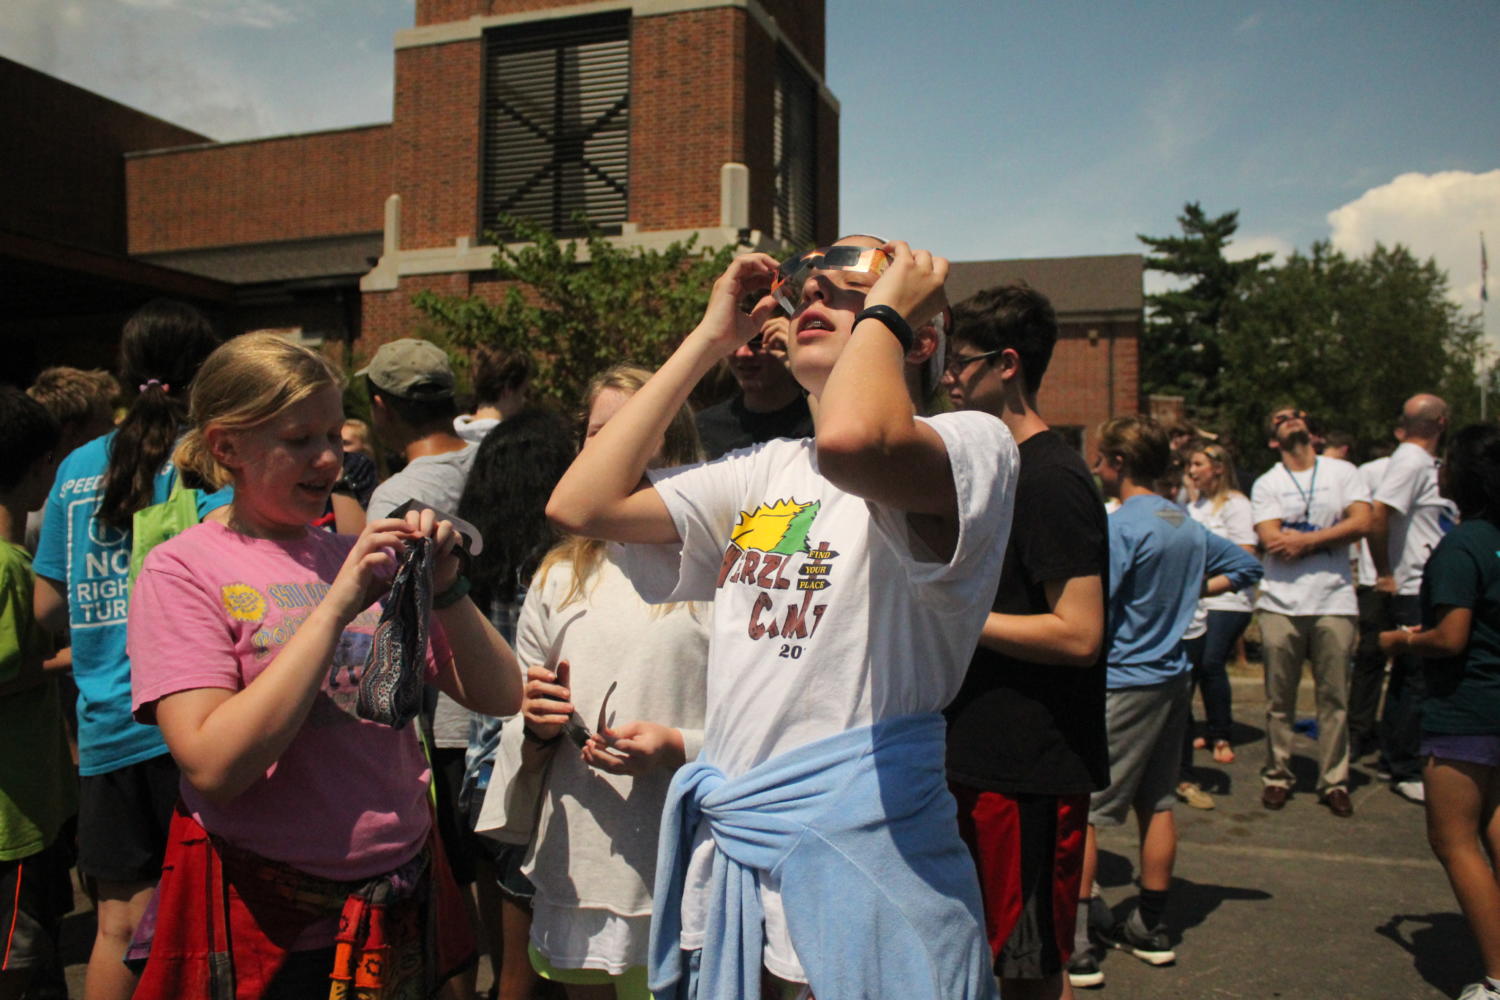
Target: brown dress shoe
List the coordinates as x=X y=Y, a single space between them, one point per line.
x=1338 y=803
x=1274 y=796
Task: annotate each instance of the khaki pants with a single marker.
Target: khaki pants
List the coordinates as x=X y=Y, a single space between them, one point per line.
x=1327 y=642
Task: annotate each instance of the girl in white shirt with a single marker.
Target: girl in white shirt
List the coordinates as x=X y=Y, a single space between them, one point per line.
x=1225 y=511
x=594 y=858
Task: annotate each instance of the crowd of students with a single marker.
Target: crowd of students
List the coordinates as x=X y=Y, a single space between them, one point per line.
x=832 y=715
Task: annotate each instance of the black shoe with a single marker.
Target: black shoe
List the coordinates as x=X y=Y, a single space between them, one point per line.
x=1084 y=971
x=1149 y=945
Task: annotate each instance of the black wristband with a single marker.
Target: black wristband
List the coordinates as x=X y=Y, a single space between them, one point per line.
x=893 y=321
x=452 y=595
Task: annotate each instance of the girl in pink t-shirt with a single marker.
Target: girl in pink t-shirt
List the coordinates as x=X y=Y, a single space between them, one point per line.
x=248 y=640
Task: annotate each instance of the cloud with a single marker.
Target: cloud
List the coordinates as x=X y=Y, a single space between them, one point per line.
x=1248 y=246
x=242 y=13
x=1249 y=24
x=165 y=57
x=1435 y=215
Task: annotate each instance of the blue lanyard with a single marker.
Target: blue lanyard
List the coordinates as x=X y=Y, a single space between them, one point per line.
x=1306 y=495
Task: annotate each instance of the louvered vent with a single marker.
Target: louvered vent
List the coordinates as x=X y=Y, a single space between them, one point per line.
x=794 y=152
x=557 y=124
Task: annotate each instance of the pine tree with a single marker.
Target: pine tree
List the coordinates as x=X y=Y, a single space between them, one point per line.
x=1182 y=344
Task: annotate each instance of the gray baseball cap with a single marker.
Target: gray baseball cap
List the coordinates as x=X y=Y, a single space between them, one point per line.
x=412 y=369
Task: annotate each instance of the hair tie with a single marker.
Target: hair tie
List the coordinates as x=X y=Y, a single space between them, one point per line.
x=156 y=382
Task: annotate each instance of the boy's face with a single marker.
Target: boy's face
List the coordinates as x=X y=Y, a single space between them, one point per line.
x=825 y=320
x=973 y=378
x=760 y=365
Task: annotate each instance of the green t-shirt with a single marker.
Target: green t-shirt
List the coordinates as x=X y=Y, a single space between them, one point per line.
x=1463 y=691
x=38 y=788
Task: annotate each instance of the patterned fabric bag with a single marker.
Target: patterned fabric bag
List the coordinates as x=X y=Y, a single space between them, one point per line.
x=390 y=692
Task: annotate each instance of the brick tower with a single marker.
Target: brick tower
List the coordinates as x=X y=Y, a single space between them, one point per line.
x=656 y=119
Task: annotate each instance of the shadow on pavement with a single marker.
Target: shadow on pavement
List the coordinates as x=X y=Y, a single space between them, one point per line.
x=1440 y=945
x=1191 y=903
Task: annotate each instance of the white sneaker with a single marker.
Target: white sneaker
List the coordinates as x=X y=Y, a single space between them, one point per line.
x=1479 y=991
x=1411 y=791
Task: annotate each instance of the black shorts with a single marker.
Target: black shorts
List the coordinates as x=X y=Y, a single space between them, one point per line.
x=123 y=817
x=35 y=894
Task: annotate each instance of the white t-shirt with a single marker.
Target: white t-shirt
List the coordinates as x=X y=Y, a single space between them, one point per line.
x=593 y=860
x=1232 y=522
x=1410 y=488
x=1364 y=564
x=829 y=613
x=1319 y=583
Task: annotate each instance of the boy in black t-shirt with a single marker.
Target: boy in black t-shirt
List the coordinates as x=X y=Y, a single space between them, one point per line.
x=1026 y=740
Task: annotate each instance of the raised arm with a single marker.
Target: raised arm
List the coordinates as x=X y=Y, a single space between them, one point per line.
x=869 y=441
x=604 y=494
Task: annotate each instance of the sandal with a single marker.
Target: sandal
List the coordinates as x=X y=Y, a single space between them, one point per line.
x=1223 y=752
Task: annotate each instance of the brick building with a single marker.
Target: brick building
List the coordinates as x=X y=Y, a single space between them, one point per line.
x=657 y=119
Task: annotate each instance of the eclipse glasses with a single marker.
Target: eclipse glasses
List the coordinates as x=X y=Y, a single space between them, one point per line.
x=791 y=274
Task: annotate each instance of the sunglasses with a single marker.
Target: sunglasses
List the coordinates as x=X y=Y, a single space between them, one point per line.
x=792 y=273
x=1282 y=418
x=958 y=362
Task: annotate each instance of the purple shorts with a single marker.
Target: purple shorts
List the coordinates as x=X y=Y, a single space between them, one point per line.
x=1482 y=748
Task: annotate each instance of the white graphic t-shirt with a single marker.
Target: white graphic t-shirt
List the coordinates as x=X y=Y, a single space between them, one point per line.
x=829 y=612
x=1319 y=583
x=1410 y=488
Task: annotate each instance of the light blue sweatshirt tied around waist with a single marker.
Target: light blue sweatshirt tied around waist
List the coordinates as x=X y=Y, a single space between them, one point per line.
x=880 y=893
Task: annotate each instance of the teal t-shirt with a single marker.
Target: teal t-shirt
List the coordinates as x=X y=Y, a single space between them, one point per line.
x=37 y=788
x=93 y=560
x=1463 y=692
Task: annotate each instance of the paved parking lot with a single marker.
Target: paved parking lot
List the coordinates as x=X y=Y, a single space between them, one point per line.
x=1296 y=903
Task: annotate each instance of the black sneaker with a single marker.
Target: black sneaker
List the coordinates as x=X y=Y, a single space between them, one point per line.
x=1084 y=971
x=1150 y=946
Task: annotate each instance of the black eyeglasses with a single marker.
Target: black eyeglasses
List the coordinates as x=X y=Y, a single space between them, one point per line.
x=958 y=362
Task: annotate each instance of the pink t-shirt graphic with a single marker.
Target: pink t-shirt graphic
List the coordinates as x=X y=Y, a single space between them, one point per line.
x=211 y=609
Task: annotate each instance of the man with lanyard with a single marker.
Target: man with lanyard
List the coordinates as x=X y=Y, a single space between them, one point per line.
x=1308 y=510
x=1410 y=518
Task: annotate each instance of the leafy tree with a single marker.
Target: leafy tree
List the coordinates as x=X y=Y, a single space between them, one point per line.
x=576 y=310
x=1182 y=343
x=1346 y=338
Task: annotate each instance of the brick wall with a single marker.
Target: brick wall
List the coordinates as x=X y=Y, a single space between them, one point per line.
x=57 y=138
x=439 y=93
x=1076 y=389
x=443 y=11
x=324 y=184
x=686 y=114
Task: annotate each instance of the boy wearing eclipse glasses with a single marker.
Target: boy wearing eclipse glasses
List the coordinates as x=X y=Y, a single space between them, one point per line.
x=813 y=841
